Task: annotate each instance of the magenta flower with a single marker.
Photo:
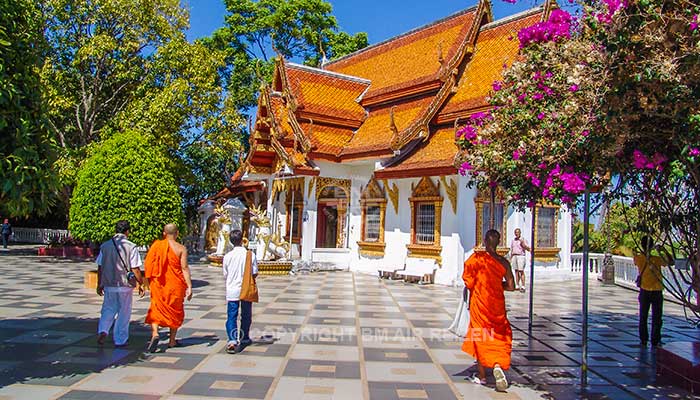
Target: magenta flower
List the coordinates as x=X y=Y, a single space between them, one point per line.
x=530 y=204
x=639 y=160
x=542 y=166
x=538 y=96
x=557 y=27
x=517 y=154
x=566 y=199
x=585 y=133
x=694 y=152
x=573 y=183
x=573 y=88
x=464 y=168
x=694 y=23
x=540 y=116
x=497 y=86
x=468 y=132
x=522 y=97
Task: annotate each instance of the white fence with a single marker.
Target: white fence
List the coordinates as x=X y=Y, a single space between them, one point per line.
x=36 y=235
x=626 y=273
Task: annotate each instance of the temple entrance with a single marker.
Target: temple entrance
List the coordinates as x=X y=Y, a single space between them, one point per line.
x=331 y=212
x=327 y=228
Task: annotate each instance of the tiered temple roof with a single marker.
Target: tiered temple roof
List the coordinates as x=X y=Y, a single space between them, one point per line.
x=396 y=102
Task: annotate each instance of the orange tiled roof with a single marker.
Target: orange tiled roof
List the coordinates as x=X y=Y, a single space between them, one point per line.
x=409 y=59
x=326 y=93
x=281 y=115
x=497 y=44
x=375 y=133
x=327 y=140
x=436 y=154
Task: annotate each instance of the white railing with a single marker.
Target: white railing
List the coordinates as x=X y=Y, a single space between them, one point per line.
x=595 y=262
x=36 y=235
x=626 y=272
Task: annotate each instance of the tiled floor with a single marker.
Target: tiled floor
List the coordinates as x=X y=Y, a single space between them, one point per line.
x=339 y=335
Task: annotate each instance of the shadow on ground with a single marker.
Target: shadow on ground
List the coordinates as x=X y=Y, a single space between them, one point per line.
x=62 y=351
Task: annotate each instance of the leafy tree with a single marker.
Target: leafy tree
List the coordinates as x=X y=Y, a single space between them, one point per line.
x=255 y=30
x=27 y=147
x=125 y=178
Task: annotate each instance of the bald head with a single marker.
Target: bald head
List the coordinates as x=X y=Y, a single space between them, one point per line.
x=170 y=230
x=491 y=239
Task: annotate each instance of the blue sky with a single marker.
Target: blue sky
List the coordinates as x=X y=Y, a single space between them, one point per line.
x=381 y=19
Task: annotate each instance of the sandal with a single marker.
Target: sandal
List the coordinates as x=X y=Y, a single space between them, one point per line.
x=152 y=345
x=231 y=348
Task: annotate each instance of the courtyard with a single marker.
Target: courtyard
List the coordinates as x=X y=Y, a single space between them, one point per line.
x=337 y=335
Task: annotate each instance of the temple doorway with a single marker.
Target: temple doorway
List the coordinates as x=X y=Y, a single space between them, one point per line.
x=331 y=212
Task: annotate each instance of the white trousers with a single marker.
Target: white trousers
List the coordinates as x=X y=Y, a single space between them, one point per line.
x=117 y=303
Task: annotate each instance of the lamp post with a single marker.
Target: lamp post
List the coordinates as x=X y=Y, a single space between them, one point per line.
x=283 y=174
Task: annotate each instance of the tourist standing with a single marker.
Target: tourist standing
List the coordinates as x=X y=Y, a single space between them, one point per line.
x=489 y=336
x=650 y=293
x=118 y=270
x=236 y=264
x=6 y=231
x=518 y=247
x=170 y=282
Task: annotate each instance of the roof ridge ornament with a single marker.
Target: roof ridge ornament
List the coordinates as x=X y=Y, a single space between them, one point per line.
x=392 y=123
x=441 y=59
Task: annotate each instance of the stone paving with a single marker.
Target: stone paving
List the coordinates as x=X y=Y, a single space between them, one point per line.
x=340 y=335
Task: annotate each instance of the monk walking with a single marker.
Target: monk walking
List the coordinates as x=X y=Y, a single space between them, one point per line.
x=170 y=282
x=489 y=337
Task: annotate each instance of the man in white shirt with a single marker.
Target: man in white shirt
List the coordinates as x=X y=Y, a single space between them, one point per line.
x=518 y=247
x=117 y=259
x=234 y=267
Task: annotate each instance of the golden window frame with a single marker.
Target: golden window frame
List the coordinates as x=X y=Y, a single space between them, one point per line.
x=547 y=253
x=484 y=197
x=426 y=192
x=373 y=195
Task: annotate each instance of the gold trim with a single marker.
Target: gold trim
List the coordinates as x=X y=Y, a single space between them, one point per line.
x=322 y=183
x=483 y=197
x=286 y=185
x=547 y=253
x=312 y=182
x=451 y=189
x=425 y=251
x=393 y=193
x=371 y=249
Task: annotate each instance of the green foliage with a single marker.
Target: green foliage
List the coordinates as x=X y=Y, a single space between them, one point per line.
x=125 y=178
x=254 y=30
x=27 y=148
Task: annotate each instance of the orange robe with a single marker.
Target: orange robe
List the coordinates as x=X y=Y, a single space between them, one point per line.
x=489 y=336
x=167 y=284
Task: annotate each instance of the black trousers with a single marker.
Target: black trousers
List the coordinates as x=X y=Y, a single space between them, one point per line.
x=5 y=240
x=655 y=300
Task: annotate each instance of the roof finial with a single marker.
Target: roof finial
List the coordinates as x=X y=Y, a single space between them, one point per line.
x=441 y=59
x=324 y=60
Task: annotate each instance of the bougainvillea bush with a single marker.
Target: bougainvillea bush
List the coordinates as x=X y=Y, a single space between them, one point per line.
x=613 y=92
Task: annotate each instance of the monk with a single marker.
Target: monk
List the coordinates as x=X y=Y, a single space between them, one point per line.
x=170 y=283
x=489 y=337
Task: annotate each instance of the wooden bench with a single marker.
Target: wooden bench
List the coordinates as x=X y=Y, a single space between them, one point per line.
x=420 y=270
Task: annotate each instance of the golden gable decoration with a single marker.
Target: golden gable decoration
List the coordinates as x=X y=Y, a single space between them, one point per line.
x=393 y=193
x=451 y=189
x=322 y=183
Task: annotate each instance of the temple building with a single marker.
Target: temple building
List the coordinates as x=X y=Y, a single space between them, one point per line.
x=354 y=161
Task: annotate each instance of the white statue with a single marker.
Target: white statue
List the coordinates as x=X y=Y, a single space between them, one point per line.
x=270 y=245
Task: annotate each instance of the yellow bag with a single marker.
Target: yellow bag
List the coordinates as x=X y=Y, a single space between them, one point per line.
x=249 y=289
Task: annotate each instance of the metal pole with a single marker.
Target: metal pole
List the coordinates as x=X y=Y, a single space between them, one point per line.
x=532 y=270
x=584 y=307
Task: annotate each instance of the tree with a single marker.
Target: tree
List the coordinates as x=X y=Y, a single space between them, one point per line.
x=121 y=65
x=255 y=30
x=27 y=148
x=125 y=178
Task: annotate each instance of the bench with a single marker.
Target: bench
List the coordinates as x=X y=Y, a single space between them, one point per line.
x=420 y=270
x=679 y=363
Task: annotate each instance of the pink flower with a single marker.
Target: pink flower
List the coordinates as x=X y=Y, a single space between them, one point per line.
x=573 y=183
x=522 y=97
x=694 y=152
x=566 y=199
x=493 y=184
x=639 y=160
x=585 y=133
x=530 y=204
x=694 y=23
x=556 y=28
x=484 y=142
x=545 y=193
x=468 y=132
x=496 y=86
x=540 y=116
x=465 y=168
x=573 y=88
x=542 y=166
x=538 y=96
x=518 y=153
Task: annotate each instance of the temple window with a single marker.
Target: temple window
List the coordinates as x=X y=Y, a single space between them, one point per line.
x=547 y=217
x=373 y=202
x=484 y=215
x=426 y=217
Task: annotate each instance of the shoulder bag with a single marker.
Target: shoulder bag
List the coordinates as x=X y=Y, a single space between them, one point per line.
x=130 y=276
x=249 y=289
